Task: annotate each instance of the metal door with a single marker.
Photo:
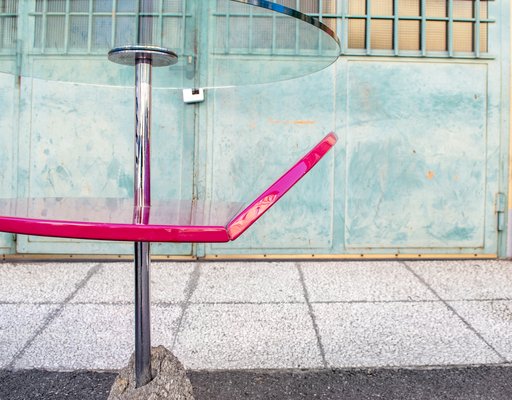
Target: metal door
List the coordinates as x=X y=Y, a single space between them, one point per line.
x=77 y=139
x=8 y=111
x=419 y=170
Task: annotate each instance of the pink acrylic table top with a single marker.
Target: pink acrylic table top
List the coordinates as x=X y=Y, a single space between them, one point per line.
x=167 y=221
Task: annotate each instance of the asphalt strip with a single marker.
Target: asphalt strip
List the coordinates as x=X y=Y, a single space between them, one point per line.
x=468 y=383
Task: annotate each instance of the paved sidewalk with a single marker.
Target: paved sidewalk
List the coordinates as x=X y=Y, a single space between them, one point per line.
x=260 y=315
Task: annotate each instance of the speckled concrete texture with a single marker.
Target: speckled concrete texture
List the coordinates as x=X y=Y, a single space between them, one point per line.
x=260 y=315
x=88 y=336
x=467 y=280
x=40 y=282
x=397 y=334
x=492 y=319
x=248 y=283
x=226 y=336
x=19 y=323
x=361 y=281
x=114 y=283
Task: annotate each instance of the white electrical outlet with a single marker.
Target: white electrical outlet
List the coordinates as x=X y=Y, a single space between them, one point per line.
x=193 y=95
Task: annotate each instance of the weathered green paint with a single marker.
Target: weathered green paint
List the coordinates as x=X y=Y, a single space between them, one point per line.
x=79 y=142
x=423 y=152
x=8 y=148
x=416 y=140
x=256 y=134
x=416 y=170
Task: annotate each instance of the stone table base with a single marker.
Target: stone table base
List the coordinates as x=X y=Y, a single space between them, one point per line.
x=169 y=381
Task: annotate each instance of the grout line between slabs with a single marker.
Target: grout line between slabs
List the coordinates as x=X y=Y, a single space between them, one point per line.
x=450 y=307
x=215 y=303
x=54 y=314
x=312 y=315
x=189 y=291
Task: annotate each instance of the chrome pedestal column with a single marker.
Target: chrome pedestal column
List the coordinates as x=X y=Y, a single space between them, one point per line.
x=142 y=202
x=143 y=58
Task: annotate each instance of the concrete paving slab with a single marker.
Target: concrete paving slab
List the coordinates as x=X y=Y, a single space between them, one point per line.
x=88 y=336
x=397 y=334
x=467 y=280
x=225 y=336
x=40 y=282
x=164 y=324
x=362 y=281
x=169 y=281
x=492 y=319
x=18 y=324
x=114 y=283
x=95 y=336
x=249 y=282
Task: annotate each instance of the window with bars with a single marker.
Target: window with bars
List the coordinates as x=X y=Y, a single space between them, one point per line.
x=425 y=26
x=8 y=24
x=446 y=28
x=240 y=29
x=91 y=26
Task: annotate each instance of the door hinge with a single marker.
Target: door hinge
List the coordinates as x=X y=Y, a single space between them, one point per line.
x=500 y=207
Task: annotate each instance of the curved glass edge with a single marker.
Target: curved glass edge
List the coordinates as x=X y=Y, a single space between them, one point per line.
x=222 y=62
x=293 y=13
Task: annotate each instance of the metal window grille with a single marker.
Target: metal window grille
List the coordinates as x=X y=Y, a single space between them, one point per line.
x=92 y=26
x=424 y=28
x=427 y=28
x=8 y=24
x=253 y=30
x=450 y=28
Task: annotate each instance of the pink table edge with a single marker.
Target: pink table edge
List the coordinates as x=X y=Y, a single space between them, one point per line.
x=278 y=189
x=174 y=233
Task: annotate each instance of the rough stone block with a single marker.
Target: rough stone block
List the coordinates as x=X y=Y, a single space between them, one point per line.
x=169 y=381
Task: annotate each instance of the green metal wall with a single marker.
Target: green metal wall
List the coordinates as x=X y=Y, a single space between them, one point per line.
x=421 y=161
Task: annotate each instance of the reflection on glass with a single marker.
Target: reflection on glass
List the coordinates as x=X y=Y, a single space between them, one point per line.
x=8 y=32
x=78 y=32
x=71 y=40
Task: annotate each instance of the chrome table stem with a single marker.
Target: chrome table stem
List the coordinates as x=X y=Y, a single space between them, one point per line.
x=142 y=203
x=144 y=58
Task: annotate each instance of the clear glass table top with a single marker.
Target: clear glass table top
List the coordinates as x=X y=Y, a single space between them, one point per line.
x=208 y=43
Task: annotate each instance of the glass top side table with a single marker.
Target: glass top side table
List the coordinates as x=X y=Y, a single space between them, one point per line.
x=189 y=46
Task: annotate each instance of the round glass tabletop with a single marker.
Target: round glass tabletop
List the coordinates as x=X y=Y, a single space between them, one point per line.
x=192 y=43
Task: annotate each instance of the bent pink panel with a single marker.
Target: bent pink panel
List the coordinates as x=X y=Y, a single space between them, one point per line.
x=277 y=190
x=111 y=219
x=117 y=232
